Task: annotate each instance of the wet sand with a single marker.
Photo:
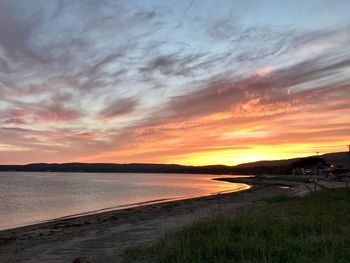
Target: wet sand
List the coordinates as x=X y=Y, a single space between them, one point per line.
x=104 y=236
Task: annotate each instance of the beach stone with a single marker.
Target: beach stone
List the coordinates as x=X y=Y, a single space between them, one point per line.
x=82 y=260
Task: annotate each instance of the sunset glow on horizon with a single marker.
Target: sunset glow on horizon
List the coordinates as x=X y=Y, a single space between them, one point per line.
x=187 y=82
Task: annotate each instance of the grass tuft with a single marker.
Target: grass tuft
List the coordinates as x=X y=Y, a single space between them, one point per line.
x=315 y=228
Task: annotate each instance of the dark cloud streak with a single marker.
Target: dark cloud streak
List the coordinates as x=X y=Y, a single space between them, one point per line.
x=118 y=108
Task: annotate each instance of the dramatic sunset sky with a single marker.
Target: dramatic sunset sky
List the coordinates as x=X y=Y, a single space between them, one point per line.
x=188 y=82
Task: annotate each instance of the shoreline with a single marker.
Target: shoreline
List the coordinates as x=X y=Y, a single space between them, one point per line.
x=257 y=181
x=105 y=235
x=243 y=187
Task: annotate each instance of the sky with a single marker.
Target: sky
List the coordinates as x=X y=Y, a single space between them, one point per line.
x=190 y=82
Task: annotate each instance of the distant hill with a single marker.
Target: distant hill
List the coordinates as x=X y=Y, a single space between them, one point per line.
x=260 y=167
x=339 y=157
x=117 y=168
x=267 y=163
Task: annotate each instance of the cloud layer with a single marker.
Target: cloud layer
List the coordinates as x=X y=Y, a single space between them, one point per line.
x=124 y=81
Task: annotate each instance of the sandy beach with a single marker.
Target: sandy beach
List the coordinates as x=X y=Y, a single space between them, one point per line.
x=105 y=235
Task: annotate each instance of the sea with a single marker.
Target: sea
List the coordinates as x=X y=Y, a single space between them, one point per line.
x=28 y=198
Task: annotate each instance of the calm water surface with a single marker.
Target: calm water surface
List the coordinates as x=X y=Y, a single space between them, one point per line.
x=28 y=198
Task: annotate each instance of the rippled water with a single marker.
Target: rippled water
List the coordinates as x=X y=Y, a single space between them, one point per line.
x=27 y=198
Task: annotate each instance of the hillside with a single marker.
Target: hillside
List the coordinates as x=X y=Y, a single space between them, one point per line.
x=339 y=157
x=261 y=167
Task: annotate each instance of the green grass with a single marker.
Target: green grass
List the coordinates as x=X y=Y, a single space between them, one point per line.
x=315 y=228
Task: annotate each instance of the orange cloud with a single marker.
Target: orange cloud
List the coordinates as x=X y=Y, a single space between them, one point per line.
x=263 y=72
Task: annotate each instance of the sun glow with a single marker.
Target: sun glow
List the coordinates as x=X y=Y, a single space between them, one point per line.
x=215 y=90
x=256 y=153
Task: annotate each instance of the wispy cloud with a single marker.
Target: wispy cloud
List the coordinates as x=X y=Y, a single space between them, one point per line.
x=127 y=81
x=118 y=108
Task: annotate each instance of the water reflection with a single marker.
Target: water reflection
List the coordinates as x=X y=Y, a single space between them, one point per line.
x=27 y=198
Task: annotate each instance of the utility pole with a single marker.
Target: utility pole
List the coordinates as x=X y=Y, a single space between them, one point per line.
x=317 y=166
x=348 y=175
x=316 y=174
